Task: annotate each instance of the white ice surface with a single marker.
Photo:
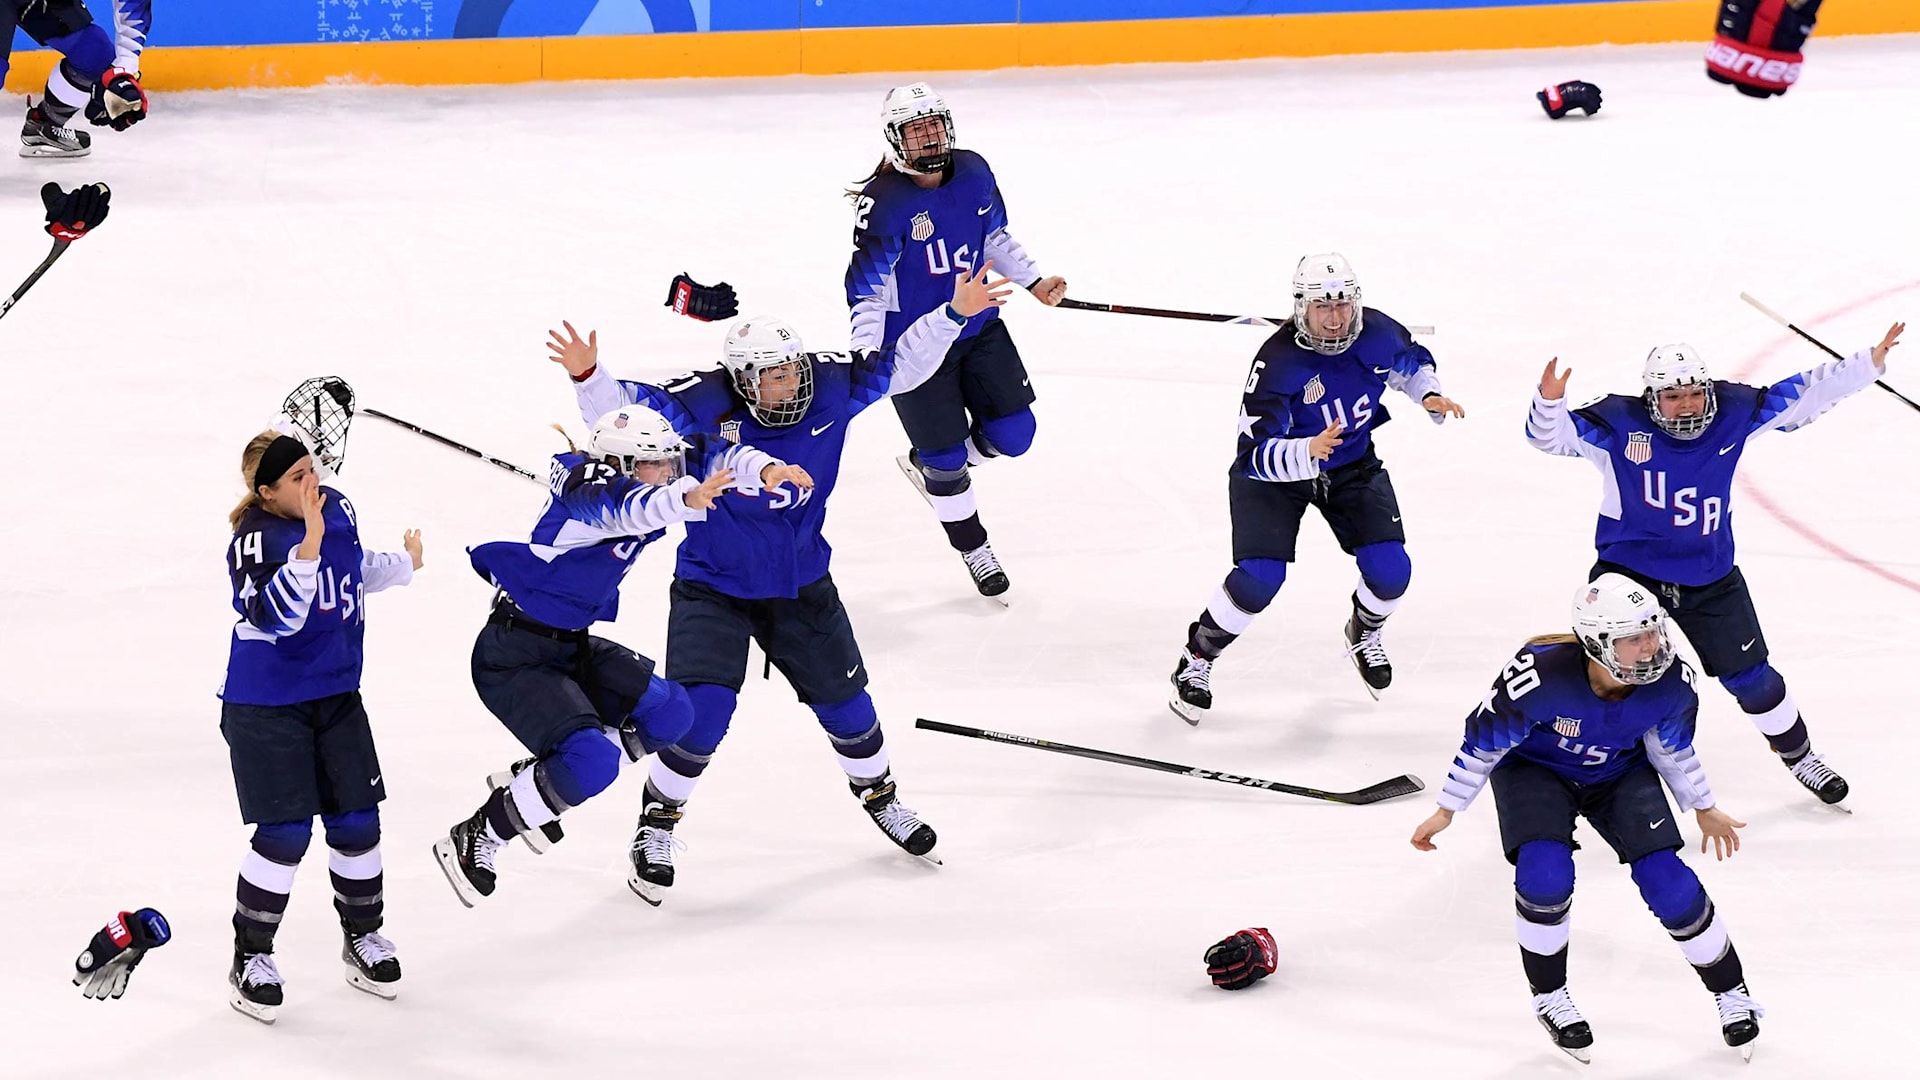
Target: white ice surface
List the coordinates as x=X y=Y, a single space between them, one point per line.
x=420 y=242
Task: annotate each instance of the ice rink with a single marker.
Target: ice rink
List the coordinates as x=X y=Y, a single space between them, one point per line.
x=419 y=243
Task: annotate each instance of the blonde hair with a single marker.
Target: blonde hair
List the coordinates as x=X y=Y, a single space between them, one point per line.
x=1553 y=639
x=249 y=465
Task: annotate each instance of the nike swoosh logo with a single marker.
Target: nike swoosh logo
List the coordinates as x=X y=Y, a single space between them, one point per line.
x=1383 y=371
x=375 y=782
x=1726 y=449
x=1026 y=380
x=1396 y=517
x=1748 y=645
x=982 y=212
x=852 y=669
x=824 y=426
x=1657 y=824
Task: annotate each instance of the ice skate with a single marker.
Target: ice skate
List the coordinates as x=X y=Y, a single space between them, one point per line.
x=1192 y=694
x=1564 y=1024
x=896 y=818
x=652 y=852
x=40 y=137
x=1369 y=656
x=256 y=983
x=1816 y=776
x=984 y=567
x=465 y=855
x=1739 y=1019
x=372 y=964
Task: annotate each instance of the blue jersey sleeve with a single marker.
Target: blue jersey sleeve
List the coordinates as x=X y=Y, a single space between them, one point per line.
x=1492 y=730
x=272 y=591
x=871 y=283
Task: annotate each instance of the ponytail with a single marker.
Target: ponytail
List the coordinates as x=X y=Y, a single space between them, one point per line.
x=250 y=465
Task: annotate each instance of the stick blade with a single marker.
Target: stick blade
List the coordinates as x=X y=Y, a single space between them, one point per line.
x=1398 y=787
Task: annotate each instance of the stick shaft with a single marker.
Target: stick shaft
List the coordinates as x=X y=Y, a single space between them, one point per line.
x=1822 y=346
x=59 y=249
x=1197 y=316
x=451 y=444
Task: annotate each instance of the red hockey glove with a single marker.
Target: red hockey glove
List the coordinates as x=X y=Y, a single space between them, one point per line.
x=1238 y=962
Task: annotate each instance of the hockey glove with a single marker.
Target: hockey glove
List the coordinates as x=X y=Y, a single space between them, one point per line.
x=1568 y=96
x=71 y=213
x=708 y=303
x=1756 y=45
x=108 y=962
x=1242 y=960
x=116 y=100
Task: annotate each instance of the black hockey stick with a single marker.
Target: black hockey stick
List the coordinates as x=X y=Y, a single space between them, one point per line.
x=1380 y=792
x=1822 y=346
x=59 y=249
x=450 y=444
x=1198 y=316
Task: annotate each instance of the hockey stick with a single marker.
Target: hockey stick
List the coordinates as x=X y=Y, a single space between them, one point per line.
x=1198 y=316
x=1380 y=792
x=59 y=249
x=1821 y=345
x=450 y=444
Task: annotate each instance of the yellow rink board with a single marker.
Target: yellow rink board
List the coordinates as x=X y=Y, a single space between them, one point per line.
x=838 y=51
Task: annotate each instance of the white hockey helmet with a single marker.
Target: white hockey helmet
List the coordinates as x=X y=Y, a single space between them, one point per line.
x=1326 y=279
x=761 y=344
x=1670 y=367
x=1612 y=607
x=903 y=106
x=634 y=434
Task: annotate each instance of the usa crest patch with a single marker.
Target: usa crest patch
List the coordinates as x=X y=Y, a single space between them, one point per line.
x=1639 y=447
x=922 y=225
x=730 y=431
x=1567 y=725
x=1313 y=391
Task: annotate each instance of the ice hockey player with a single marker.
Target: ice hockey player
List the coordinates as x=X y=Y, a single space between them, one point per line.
x=1666 y=457
x=576 y=701
x=1756 y=44
x=1314 y=395
x=757 y=567
x=1587 y=725
x=926 y=212
x=292 y=715
x=99 y=74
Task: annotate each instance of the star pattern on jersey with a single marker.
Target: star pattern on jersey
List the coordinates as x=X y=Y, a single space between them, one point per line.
x=1247 y=421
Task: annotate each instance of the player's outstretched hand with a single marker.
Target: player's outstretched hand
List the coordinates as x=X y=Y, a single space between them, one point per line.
x=1716 y=827
x=70 y=214
x=973 y=293
x=411 y=541
x=701 y=498
x=774 y=475
x=708 y=303
x=1428 y=829
x=108 y=961
x=1886 y=344
x=1238 y=962
x=577 y=356
x=1553 y=382
x=1049 y=290
x=1323 y=444
x=1442 y=405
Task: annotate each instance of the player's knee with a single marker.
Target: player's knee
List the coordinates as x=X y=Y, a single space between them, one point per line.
x=581 y=766
x=1008 y=436
x=1385 y=568
x=664 y=714
x=88 y=52
x=355 y=830
x=1543 y=873
x=1254 y=583
x=1757 y=688
x=713 y=707
x=1669 y=887
x=283 y=842
x=853 y=718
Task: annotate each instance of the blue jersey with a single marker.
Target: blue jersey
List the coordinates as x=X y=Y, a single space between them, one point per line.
x=1666 y=504
x=1542 y=709
x=908 y=242
x=302 y=622
x=760 y=543
x=595 y=524
x=1293 y=394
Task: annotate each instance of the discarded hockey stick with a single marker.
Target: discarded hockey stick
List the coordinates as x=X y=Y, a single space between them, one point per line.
x=1821 y=345
x=59 y=249
x=1380 y=792
x=451 y=444
x=324 y=408
x=1198 y=316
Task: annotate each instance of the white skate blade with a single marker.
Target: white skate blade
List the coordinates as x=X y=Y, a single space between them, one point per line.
x=1583 y=1055
x=929 y=858
x=449 y=860
x=56 y=152
x=1840 y=806
x=913 y=476
x=359 y=981
x=1190 y=713
x=263 y=1013
x=1746 y=1050
x=646 y=890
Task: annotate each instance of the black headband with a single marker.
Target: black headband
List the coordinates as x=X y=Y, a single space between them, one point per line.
x=282 y=454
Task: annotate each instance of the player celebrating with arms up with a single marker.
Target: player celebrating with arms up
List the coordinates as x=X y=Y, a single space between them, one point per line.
x=1666 y=458
x=1314 y=396
x=929 y=211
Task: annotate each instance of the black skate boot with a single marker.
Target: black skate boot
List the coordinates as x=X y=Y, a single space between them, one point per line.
x=896 y=818
x=1739 y=1019
x=1364 y=648
x=41 y=137
x=1817 y=777
x=652 y=852
x=465 y=855
x=372 y=964
x=985 y=568
x=1564 y=1024
x=537 y=840
x=256 y=983
x=1192 y=692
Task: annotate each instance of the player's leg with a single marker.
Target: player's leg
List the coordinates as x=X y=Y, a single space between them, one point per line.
x=87 y=50
x=1536 y=809
x=351 y=790
x=1266 y=523
x=999 y=400
x=934 y=416
x=810 y=639
x=1359 y=505
x=276 y=778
